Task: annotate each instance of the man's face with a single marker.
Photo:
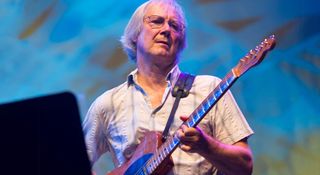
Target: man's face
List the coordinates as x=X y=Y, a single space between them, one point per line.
x=161 y=33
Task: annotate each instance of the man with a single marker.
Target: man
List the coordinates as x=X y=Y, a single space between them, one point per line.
x=118 y=119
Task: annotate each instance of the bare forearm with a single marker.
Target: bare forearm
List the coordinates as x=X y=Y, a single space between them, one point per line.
x=230 y=159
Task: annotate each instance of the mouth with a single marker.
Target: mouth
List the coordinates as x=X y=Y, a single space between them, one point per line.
x=162 y=42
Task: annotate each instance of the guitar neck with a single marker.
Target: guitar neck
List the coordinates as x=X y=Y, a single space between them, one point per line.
x=150 y=165
x=196 y=116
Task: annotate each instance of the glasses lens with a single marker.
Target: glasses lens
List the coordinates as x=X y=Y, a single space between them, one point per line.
x=156 y=21
x=175 y=26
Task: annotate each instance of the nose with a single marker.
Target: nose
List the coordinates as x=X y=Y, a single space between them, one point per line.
x=166 y=29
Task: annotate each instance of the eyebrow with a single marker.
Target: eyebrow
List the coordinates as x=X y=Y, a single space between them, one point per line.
x=171 y=18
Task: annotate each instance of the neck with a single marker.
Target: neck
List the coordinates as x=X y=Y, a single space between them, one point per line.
x=153 y=74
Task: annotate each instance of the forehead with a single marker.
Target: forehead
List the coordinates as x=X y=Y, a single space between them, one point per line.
x=162 y=9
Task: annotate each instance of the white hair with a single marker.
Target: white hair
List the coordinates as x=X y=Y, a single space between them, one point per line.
x=135 y=24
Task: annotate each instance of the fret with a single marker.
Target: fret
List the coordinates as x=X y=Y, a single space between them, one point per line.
x=211 y=100
x=203 y=110
x=217 y=94
x=171 y=147
x=227 y=83
x=193 y=121
x=150 y=167
x=224 y=86
x=154 y=162
x=166 y=148
x=206 y=104
x=163 y=150
x=220 y=90
x=175 y=140
x=198 y=117
x=163 y=153
x=200 y=112
x=160 y=155
x=214 y=97
x=157 y=161
x=190 y=123
x=145 y=171
x=170 y=144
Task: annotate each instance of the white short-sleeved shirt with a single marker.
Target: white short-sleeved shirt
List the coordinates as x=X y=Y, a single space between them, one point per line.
x=120 y=116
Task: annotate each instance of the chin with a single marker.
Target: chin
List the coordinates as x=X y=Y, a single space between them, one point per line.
x=161 y=53
x=164 y=55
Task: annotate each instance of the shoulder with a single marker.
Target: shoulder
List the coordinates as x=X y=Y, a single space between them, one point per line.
x=107 y=100
x=206 y=80
x=210 y=78
x=204 y=84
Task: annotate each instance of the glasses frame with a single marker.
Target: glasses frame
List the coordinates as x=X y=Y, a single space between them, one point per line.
x=151 y=20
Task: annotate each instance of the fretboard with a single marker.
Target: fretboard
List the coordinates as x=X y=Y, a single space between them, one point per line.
x=196 y=116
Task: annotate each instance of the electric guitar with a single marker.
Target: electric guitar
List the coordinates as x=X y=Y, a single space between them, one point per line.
x=152 y=156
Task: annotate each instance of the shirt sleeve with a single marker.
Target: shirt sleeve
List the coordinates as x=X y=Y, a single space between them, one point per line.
x=95 y=138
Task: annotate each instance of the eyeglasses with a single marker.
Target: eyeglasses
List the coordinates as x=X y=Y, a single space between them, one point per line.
x=157 y=22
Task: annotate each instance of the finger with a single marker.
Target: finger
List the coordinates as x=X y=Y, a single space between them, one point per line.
x=180 y=133
x=186 y=148
x=188 y=140
x=184 y=118
x=190 y=135
x=191 y=132
x=184 y=128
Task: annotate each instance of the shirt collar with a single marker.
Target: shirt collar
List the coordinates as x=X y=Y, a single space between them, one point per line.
x=132 y=77
x=171 y=77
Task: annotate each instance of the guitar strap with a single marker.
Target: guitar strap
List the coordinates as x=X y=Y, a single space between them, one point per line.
x=181 y=90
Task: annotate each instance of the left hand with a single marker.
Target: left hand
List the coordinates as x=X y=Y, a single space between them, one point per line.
x=192 y=139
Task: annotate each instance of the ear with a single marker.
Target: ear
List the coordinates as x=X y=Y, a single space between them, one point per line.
x=134 y=43
x=135 y=39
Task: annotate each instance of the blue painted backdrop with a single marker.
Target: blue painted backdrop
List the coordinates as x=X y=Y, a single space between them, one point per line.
x=55 y=45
